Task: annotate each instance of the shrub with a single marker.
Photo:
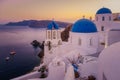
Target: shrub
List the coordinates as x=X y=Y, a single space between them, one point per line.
x=91 y=77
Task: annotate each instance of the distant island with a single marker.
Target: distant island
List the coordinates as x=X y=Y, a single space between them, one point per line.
x=43 y=24
x=36 y=23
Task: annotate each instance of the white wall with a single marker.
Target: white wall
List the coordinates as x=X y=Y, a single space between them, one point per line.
x=113 y=36
x=85 y=40
x=89 y=68
x=28 y=76
x=106 y=23
x=54 y=43
x=116 y=25
x=56 y=70
x=108 y=63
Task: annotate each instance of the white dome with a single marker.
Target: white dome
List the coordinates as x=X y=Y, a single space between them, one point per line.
x=109 y=63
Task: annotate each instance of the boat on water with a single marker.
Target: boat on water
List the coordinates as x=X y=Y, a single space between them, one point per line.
x=12 y=52
x=7 y=58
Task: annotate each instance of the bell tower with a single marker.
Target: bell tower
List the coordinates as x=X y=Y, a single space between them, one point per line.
x=53 y=39
x=103 y=21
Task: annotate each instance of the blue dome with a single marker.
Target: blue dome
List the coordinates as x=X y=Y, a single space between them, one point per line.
x=52 y=25
x=104 y=11
x=84 y=26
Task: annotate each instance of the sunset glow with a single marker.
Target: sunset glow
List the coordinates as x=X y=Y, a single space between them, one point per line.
x=63 y=10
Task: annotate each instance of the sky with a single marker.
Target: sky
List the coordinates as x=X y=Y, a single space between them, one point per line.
x=60 y=10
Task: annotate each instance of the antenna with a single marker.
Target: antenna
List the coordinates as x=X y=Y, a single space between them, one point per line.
x=83 y=16
x=91 y=18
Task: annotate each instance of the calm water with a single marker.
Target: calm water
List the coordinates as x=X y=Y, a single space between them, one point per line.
x=26 y=58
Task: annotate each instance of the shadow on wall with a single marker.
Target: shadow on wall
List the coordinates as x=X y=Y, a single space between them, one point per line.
x=113 y=36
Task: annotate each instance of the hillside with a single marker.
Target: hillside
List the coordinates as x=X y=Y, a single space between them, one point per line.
x=44 y=23
x=20 y=23
x=36 y=23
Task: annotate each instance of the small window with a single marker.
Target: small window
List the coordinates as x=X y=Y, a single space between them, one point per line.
x=54 y=35
x=49 y=36
x=79 y=42
x=91 y=42
x=103 y=18
x=109 y=18
x=102 y=28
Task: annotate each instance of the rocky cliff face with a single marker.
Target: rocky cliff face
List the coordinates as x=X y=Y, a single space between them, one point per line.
x=65 y=33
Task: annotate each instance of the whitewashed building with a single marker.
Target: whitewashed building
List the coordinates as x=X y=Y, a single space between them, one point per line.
x=107 y=26
x=109 y=65
x=81 y=52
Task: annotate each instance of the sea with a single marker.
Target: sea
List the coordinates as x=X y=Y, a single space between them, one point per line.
x=19 y=38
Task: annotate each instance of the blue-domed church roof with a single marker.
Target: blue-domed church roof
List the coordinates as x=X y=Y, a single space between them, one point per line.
x=52 y=25
x=84 y=26
x=104 y=11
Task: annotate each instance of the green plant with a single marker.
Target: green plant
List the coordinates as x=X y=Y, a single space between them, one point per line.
x=43 y=71
x=91 y=77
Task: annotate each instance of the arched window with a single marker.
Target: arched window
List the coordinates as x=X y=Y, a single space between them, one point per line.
x=102 y=28
x=54 y=35
x=109 y=18
x=49 y=36
x=103 y=18
x=90 y=41
x=79 y=41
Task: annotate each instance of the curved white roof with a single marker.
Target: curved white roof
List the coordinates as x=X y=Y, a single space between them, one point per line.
x=109 y=62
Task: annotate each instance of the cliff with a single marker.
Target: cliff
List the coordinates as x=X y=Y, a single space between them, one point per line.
x=65 y=33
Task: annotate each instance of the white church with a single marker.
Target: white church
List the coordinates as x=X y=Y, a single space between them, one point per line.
x=92 y=50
